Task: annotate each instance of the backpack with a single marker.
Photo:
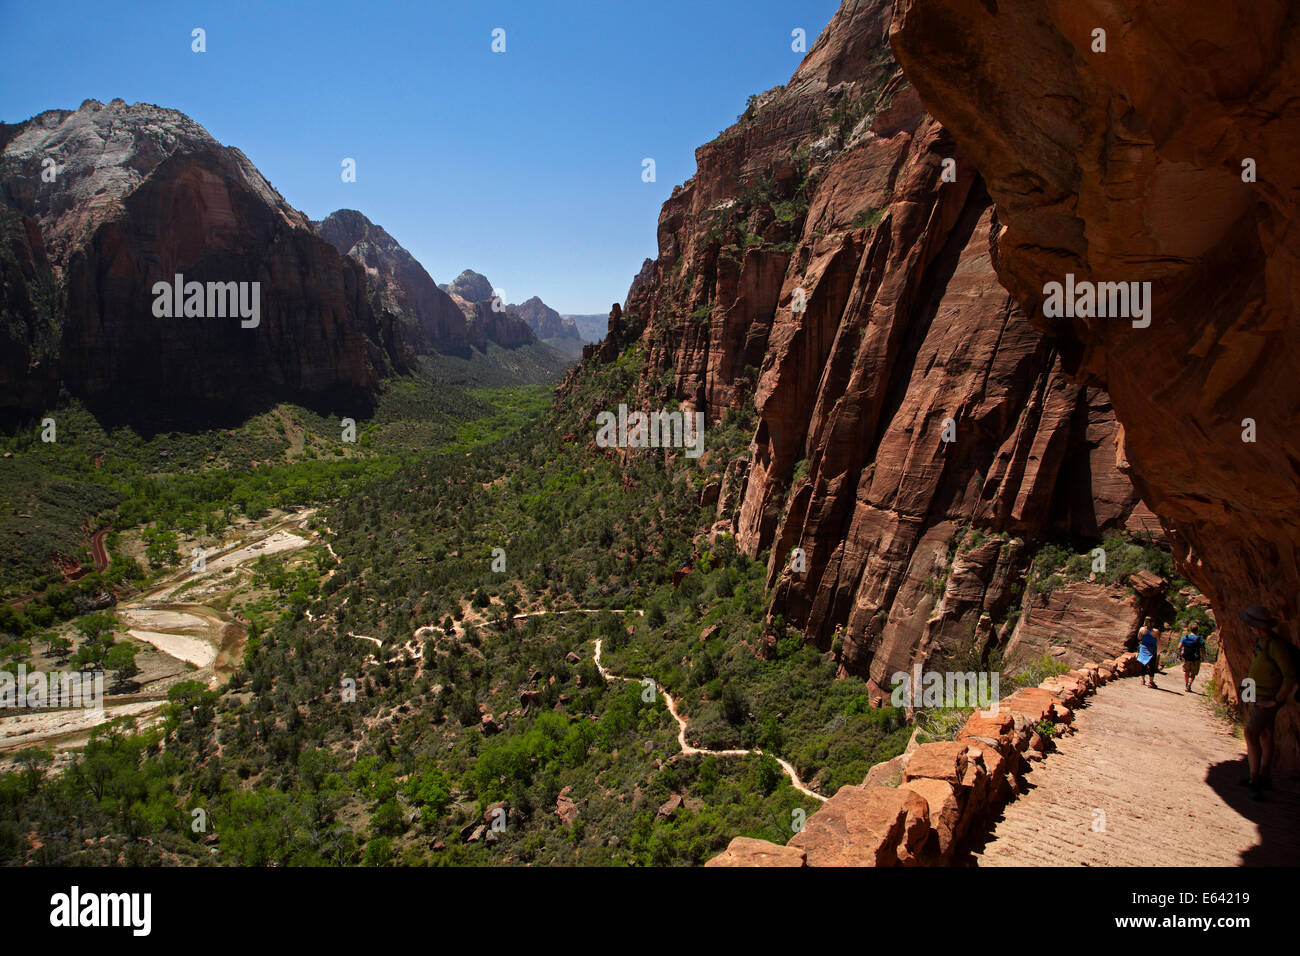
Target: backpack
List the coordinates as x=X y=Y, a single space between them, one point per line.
x=1192 y=649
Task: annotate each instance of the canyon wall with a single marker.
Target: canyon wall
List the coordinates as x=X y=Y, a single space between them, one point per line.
x=29 y=359
x=128 y=196
x=1160 y=150
x=914 y=432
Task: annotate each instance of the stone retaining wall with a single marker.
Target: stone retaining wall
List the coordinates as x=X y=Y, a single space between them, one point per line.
x=949 y=792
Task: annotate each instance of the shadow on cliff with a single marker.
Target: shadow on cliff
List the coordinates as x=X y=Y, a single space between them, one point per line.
x=148 y=415
x=1277 y=816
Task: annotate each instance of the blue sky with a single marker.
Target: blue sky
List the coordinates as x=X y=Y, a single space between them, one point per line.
x=524 y=165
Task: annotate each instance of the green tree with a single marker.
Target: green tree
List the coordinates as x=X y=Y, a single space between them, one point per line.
x=120 y=658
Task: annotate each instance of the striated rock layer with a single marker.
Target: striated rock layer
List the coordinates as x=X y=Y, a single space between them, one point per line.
x=819 y=268
x=1131 y=165
x=142 y=194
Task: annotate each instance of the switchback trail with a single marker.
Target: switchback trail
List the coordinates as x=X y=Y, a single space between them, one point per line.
x=687 y=749
x=682 y=723
x=1164 y=771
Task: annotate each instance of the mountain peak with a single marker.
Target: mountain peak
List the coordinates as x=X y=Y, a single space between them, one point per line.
x=471 y=286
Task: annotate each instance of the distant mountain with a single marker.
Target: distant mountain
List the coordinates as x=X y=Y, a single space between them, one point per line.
x=471 y=286
x=545 y=321
x=139 y=196
x=434 y=321
x=591 y=328
x=474 y=293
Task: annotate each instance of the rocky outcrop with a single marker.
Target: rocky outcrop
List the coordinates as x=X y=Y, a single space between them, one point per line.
x=1159 y=150
x=545 y=322
x=490 y=319
x=950 y=791
x=821 y=267
x=142 y=194
x=433 y=321
x=1077 y=622
x=471 y=286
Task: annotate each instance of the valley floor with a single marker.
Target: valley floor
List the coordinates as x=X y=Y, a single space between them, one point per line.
x=188 y=638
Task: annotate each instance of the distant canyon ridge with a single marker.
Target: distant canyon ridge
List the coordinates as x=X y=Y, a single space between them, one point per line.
x=102 y=202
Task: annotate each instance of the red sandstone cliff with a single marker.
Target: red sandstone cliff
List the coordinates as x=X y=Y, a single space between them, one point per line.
x=143 y=193
x=818 y=266
x=1127 y=165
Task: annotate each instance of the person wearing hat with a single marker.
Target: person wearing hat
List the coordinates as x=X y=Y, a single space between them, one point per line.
x=1273 y=677
x=1148 y=652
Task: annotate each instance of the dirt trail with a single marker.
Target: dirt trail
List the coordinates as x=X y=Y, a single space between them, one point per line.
x=682 y=725
x=1164 y=771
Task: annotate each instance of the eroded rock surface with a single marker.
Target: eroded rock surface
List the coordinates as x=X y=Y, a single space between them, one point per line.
x=821 y=270
x=1128 y=166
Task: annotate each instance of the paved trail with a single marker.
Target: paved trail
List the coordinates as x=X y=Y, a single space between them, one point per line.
x=1165 y=772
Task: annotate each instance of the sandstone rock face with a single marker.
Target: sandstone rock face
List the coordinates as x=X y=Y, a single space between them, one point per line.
x=1130 y=165
x=143 y=194
x=819 y=269
x=433 y=320
x=1078 y=622
x=508 y=331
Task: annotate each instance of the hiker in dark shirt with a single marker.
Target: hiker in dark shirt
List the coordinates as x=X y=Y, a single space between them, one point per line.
x=1191 y=649
x=1271 y=679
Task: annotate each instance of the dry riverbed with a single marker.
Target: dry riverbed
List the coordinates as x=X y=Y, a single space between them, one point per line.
x=184 y=632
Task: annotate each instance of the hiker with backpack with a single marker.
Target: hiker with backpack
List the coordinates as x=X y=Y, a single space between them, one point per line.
x=1148 y=652
x=1270 y=682
x=1191 y=649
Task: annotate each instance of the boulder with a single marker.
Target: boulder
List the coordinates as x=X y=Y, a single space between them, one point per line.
x=746 y=851
x=944 y=808
x=669 y=806
x=945 y=760
x=565 y=808
x=866 y=826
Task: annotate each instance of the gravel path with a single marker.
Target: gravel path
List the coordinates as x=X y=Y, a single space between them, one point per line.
x=1164 y=771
